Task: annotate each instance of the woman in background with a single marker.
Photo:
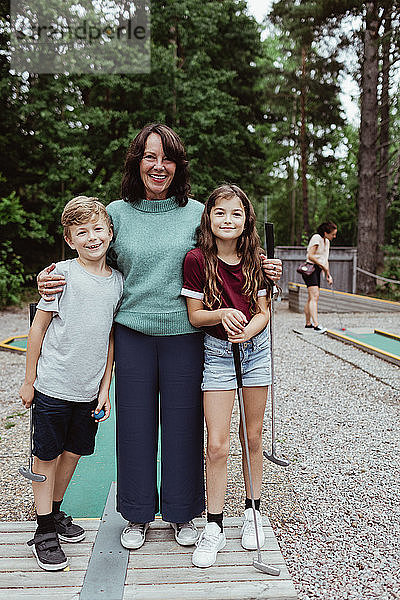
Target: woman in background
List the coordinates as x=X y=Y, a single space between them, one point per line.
x=318 y=254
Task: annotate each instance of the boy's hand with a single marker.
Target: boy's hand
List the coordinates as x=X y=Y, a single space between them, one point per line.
x=102 y=403
x=26 y=394
x=233 y=321
x=48 y=284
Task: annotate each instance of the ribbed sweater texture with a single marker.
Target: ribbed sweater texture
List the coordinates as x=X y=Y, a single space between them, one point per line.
x=151 y=239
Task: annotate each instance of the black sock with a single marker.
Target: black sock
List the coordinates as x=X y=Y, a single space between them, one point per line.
x=216 y=518
x=248 y=503
x=45 y=523
x=56 y=507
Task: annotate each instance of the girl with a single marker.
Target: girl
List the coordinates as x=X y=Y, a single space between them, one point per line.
x=226 y=295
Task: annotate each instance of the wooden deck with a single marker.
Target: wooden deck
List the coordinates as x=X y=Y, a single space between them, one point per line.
x=160 y=570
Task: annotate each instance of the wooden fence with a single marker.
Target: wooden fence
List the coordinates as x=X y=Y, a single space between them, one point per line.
x=342 y=262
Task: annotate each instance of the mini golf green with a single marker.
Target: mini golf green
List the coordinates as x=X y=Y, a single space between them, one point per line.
x=87 y=493
x=383 y=344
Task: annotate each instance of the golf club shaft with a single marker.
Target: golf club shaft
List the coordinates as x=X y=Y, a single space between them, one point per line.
x=238 y=370
x=269 y=238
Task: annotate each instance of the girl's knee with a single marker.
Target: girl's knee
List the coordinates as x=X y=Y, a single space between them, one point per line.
x=217 y=450
x=254 y=439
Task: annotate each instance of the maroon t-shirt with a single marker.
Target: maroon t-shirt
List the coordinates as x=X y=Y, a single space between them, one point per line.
x=232 y=284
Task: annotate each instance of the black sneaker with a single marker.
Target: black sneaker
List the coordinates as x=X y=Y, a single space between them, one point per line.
x=309 y=326
x=66 y=529
x=48 y=552
x=319 y=329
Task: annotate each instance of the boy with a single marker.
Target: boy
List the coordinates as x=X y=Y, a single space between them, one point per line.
x=69 y=362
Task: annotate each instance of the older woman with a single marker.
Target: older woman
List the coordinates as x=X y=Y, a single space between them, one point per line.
x=158 y=354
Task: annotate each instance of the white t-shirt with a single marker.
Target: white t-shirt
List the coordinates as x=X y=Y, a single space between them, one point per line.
x=322 y=253
x=74 y=351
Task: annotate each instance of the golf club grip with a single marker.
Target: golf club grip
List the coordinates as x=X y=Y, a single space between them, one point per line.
x=269 y=239
x=32 y=312
x=238 y=368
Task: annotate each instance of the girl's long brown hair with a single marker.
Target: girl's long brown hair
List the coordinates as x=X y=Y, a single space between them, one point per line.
x=248 y=248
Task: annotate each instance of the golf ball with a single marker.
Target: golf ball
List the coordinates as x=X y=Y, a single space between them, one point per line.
x=99 y=415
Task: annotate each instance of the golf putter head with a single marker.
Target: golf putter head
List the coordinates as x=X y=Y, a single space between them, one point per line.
x=260 y=566
x=29 y=474
x=277 y=461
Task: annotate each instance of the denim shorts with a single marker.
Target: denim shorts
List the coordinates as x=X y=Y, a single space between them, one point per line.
x=62 y=425
x=219 y=369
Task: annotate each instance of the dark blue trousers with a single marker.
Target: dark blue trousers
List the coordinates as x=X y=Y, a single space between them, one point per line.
x=158 y=381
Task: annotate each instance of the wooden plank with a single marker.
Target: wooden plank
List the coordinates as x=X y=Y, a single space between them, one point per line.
x=19 y=537
x=154 y=535
x=19 y=579
x=184 y=559
x=191 y=574
x=22 y=550
x=48 y=593
x=262 y=590
x=76 y=563
x=7 y=526
x=171 y=547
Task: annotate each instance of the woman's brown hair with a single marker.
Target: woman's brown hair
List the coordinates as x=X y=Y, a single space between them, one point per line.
x=248 y=248
x=132 y=188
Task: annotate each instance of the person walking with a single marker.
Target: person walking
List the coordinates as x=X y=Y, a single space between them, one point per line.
x=227 y=296
x=158 y=352
x=318 y=255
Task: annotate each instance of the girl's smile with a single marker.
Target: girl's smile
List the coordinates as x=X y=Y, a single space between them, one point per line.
x=227 y=218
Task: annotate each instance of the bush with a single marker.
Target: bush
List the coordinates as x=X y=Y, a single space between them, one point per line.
x=11 y=275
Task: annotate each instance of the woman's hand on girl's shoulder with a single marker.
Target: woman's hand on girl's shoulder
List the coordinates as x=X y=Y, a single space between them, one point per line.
x=49 y=284
x=272 y=267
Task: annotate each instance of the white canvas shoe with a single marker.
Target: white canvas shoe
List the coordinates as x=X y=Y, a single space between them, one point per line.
x=249 y=541
x=134 y=535
x=186 y=534
x=210 y=542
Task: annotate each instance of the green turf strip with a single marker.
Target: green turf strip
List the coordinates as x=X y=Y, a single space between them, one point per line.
x=87 y=493
x=380 y=342
x=18 y=342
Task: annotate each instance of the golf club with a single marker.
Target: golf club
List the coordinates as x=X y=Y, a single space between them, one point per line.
x=337 y=311
x=257 y=562
x=269 y=237
x=28 y=472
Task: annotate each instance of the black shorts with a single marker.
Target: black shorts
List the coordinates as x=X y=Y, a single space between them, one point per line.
x=314 y=278
x=62 y=425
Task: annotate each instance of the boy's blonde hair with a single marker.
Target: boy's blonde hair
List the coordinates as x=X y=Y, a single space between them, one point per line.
x=81 y=210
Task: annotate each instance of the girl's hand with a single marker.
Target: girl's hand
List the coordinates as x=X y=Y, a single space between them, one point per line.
x=26 y=393
x=102 y=403
x=233 y=320
x=244 y=336
x=49 y=284
x=272 y=267
x=329 y=279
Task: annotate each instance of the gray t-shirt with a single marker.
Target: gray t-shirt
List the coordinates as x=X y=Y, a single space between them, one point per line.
x=74 y=351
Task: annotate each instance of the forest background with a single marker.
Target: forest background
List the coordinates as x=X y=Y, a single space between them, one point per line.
x=255 y=104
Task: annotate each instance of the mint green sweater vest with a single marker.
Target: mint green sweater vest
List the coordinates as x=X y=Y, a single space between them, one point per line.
x=150 y=242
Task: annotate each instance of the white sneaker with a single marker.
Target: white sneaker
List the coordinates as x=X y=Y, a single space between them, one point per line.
x=186 y=534
x=211 y=540
x=249 y=541
x=134 y=535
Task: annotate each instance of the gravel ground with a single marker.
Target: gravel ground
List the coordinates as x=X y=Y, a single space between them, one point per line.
x=336 y=509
